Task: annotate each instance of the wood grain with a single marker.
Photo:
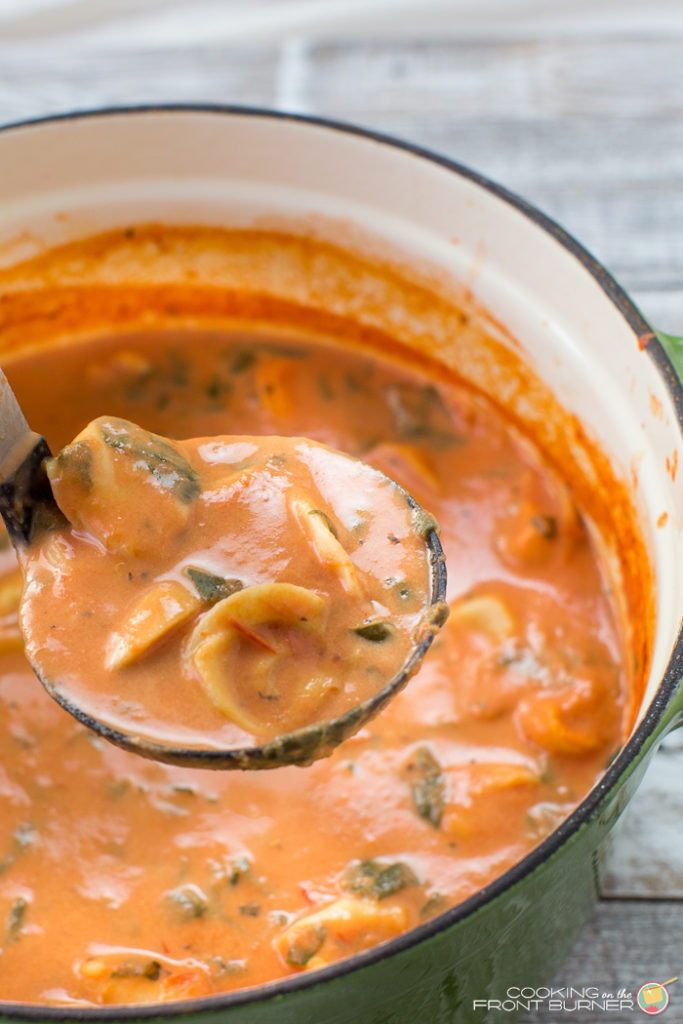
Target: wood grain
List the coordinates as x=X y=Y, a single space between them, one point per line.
x=627 y=944
x=590 y=131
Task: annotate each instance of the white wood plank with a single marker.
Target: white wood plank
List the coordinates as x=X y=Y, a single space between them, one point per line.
x=464 y=78
x=663 y=309
x=644 y=855
x=123 y=22
x=590 y=131
x=627 y=944
x=64 y=80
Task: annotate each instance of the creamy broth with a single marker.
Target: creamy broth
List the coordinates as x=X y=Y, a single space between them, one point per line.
x=125 y=881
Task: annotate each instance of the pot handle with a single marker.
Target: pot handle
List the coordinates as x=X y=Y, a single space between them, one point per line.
x=673 y=346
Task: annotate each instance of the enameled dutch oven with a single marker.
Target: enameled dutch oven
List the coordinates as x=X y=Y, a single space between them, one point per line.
x=76 y=175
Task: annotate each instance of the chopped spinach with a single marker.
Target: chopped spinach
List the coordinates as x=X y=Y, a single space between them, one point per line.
x=184 y=788
x=118 y=788
x=237 y=870
x=375 y=632
x=546 y=526
x=240 y=360
x=420 y=415
x=361 y=524
x=190 y=900
x=428 y=786
x=135 y=390
x=353 y=385
x=326 y=519
x=24 y=836
x=250 y=909
x=403 y=589
x=375 y=880
x=284 y=351
x=16 y=918
x=434 y=905
x=423 y=522
x=161 y=459
x=325 y=389
x=179 y=369
x=76 y=458
x=221 y=968
x=213 y=588
x=305 y=945
x=151 y=970
x=219 y=390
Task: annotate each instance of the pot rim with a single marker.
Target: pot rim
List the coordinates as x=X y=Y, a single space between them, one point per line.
x=642 y=738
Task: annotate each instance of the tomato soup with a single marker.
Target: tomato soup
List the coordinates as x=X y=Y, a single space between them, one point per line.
x=128 y=881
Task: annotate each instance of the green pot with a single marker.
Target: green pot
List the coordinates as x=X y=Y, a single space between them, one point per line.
x=581 y=334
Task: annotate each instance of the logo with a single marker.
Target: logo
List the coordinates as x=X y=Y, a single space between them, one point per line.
x=653 y=997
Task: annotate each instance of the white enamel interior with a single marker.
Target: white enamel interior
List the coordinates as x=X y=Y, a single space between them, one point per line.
x=64 y=179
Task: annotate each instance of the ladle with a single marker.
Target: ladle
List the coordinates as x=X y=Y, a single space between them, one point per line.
x=28 y=507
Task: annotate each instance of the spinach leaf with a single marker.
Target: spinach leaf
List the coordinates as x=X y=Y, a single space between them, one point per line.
x=428 y=786
x=190 y=901
x=420 y=414
x=546 y=526
x=326 y=519
x=161 y=459
x=375 y=632
x=16 y=917
x=213 y=588
x=305 y=945
x=151 y=970
x=76 y=459
x=375 y=880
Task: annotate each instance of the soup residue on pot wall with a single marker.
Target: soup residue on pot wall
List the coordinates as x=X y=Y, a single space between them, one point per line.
x=127 y=881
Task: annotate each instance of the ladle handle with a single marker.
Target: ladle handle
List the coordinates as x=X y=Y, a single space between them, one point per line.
x=26 y=499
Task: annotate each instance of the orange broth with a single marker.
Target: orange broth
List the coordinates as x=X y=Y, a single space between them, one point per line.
x=123 y=880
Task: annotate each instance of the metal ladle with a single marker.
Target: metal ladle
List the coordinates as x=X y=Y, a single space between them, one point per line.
x=28 y=507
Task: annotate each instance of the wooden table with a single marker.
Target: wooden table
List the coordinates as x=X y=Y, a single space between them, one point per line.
x=577 y=106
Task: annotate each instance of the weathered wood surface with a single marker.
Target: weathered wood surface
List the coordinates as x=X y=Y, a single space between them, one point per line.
x=579 y=107
x=627 y=944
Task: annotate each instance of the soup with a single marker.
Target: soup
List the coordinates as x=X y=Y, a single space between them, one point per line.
x=126 y=881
